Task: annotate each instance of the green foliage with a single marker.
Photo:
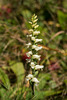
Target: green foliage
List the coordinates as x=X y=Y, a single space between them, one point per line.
x=18 y=69
x=62 y=18
x=65 y=4
x=4 y=78
x=26 y=14
x=6 y=89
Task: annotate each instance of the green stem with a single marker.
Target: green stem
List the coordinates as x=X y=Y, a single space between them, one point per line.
x=33 y=88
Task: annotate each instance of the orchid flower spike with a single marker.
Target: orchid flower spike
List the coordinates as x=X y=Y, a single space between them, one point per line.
x=33 y=53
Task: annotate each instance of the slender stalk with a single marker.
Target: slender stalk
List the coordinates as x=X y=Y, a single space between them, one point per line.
x=33 y=88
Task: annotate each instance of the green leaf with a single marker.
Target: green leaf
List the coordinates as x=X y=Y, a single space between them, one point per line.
x=64 y=66
x=42 y=84
x=62 y=18
x=65 y=4
x=65 y=81
x=40 y=95
x=26 y=13
x=52 y=84
x=29 y=96
x=18 y=69
x=49 y=92
x=46 y=76
x=4 y=78
x=43 y=78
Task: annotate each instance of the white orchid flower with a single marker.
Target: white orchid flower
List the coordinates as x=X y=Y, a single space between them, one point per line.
x=30 y=76
x=36 y=26
x=39 y=67
x=28 y=45
x=36 y=56
x=29 y=35
x=38 y=40
x=29 y=53
x=35 y=80
x=36 y=32
x=36 y=47
x=31 y=30
x=30 y=22
x=32 y=65
x=33 y=38
x=35 y=21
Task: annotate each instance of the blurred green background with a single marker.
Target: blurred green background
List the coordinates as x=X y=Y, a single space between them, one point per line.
x=14 y=26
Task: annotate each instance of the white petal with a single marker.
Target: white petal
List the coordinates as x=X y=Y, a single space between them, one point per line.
x=38 y=40
x=29 y=44
x=36 y=57
x=38 y=67
x=29 y=53
x=36 y=47
x=35 y=80
x=30 y=22
x=33 y=38
x=35 y=17
x=36 y=26
x=35 y=21
x=32 y=64
x=29 y=35
x=36 y=32
x=29 y=77
x=31 y=30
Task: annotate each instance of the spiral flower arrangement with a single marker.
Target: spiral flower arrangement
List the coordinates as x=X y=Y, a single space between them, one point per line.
x=33 y=53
